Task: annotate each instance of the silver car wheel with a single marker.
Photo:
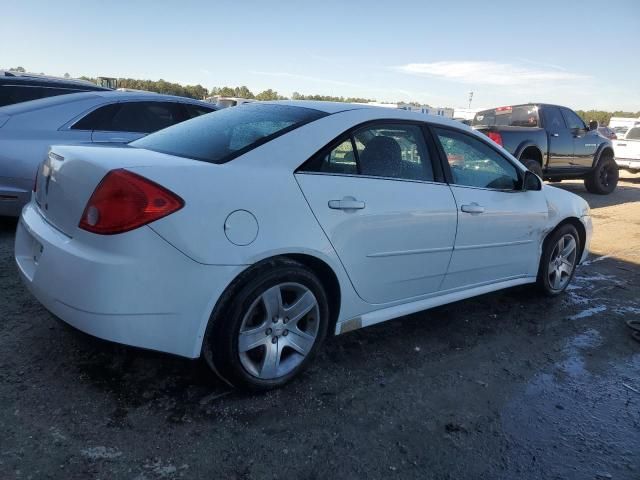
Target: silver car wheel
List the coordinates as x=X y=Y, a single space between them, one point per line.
x=278 y=331
x=562 y=262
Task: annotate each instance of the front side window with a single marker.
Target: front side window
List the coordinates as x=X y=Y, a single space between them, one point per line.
x=473 y=163
x=384 y=150
x=573 y=120
x=228 y=133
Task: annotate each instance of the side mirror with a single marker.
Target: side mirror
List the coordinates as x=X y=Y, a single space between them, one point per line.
x=593 y=125
x=531 y=182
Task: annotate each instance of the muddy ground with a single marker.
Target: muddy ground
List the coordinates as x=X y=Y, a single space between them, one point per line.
x=510 y=385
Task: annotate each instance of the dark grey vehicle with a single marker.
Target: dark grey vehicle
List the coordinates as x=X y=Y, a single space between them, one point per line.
x=553 y=142
x=17 y=87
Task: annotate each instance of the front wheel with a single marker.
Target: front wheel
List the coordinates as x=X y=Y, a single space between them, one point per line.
x=604 y=177
x=559 y=259
x=270 y=329
x=532 y=165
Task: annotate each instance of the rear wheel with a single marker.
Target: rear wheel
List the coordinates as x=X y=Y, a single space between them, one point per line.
x=270 y=329
x=604 y=177
x=559 y=259
x=532 y=165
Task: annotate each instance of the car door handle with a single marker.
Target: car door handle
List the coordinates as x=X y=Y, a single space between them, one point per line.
x=472 y=208
x=347 y=203
x=555 y=134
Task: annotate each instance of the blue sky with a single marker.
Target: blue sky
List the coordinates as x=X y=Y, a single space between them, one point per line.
x=579 y=53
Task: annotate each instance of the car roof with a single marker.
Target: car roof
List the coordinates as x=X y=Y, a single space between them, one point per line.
x=108 y=95
x=327 y=107
x=19 y=78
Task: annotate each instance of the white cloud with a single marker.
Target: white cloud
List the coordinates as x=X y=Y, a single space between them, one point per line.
x=490 y=73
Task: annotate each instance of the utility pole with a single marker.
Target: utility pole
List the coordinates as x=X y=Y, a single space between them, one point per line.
x=470 y=98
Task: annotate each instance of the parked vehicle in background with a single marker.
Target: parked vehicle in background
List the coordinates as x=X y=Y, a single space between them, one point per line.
x=553 y=142
x=622 y=124
x=379 y=213
x=628 y=150
x=27 y=129
x=225 y=102
x=16 y=87
x=607 y=133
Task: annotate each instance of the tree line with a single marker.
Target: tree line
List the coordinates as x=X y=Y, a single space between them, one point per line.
x=199 y=92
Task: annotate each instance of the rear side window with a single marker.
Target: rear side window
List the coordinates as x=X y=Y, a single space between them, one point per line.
x=516 y=116
x=553 y=119
x=98 y=119
x=382 y=150
x=145 y=117
x=194 y=111
x=228 y=133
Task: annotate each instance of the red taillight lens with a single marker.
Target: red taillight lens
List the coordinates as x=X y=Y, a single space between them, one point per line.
x=123 y=201
x=496 y=137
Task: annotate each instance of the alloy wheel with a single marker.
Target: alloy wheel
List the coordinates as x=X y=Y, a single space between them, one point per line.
x=562 y=262
x=278 y=331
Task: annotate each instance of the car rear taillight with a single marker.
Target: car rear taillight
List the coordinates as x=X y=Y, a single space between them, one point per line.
x=124 y=201
x=496 y=137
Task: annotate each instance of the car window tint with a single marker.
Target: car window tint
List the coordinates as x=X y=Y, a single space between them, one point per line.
x=573 y=120
x=98 y=119
x=10 y=94
x=341 y=159
x=473 y=163
x=633 y=134
x=194 y=111
x=553 y=118
x=144 y=117
x=230 y=132
x=395 y=151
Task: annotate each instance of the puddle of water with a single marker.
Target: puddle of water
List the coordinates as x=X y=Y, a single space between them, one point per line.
x=570 y=423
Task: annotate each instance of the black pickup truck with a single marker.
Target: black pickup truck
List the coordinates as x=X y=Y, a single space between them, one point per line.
x=553 y=142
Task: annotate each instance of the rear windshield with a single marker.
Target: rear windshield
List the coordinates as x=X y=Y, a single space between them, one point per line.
x=223 y=135
x=517 y=116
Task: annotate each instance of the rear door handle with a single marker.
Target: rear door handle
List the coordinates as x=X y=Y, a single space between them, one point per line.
x=555 y=134
x=472 y=208
x=347 y=203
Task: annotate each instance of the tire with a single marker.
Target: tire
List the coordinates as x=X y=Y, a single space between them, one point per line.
x=532 y=165
x=251 y=342
x=556 y=272
x=604 y=177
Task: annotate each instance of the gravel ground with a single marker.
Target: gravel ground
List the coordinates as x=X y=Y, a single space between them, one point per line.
x=510 y=385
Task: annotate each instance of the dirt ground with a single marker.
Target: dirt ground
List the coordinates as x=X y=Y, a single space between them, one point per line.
x=510 y=385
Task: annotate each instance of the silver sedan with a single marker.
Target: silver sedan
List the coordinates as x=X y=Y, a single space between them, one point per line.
x=28 y=129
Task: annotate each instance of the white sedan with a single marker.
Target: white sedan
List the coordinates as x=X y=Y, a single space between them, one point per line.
x=247 y=235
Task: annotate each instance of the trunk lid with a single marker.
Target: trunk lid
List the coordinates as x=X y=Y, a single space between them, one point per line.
x=69 y=175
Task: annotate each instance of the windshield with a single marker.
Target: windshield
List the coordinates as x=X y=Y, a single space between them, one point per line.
x=517 y=116
x=633 y=134
x=223 y=135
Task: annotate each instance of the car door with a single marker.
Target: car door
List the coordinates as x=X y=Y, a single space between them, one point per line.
x=559 y=136
x=382 y=205
x=499 y=224
x=133 y=120
x=584 y=140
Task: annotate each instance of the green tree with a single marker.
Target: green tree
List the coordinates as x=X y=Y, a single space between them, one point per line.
x=18 y=69
x=269 y=95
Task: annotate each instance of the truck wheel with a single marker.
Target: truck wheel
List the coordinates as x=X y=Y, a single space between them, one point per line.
x=532 y=165
x=604 y=178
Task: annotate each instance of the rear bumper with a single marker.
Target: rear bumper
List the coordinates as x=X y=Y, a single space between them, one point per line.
x=136 y=289
x=628 y=163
